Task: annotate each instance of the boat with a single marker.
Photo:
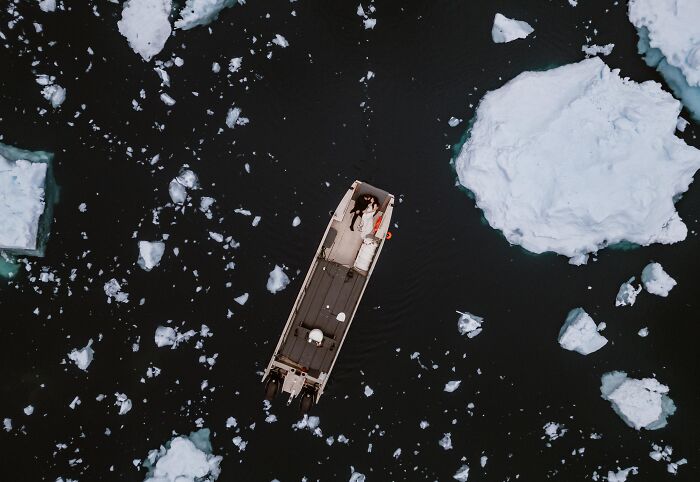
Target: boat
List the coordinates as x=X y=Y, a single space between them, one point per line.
x=328 y=299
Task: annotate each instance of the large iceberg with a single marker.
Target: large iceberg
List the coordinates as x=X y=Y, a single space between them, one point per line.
x=184 y=459
x=640 y=403
x=576 y=158
x=580 y=333
x=669 y=40
x=146 y=25
x=27 y=195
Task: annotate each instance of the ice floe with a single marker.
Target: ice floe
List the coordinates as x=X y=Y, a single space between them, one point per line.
x=469 y=324
x=168 y=336
x=51 y=91
x=598 y=49
x=123 y=402
x=553 y=430
x=201 y=12
x=641 y=403
x=627 y=294
x=656 y=281
x=462 y=474
x=446 y=441
x=113 y=290
x=452 y=385
x=82 y=357
x=621 y=474
x=277 y=281
x=659 y=454
x=615 y=180
x=184 y=459
x=146 y=26
x=507 y=29
x=150 y=253
x=669 y=41
x=580 y=333
x=179 y=186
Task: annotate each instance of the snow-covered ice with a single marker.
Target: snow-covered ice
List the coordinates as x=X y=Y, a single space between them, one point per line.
x=82 y=357
x=150 y=253
x=22 y=189
x=146 y=26
x=669 y=40
x=641 y=403
x=469 y=324
x=580 y=333
x=47 y=5
x=627 y=294
x=621 y=474
x=201 y=12
x=277 y=281
x=656 y=281
x=507 y=29
x=615 y=180
x=184 y=459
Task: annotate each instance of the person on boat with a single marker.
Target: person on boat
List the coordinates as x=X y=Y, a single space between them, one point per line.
x=361 y=204
x=367 y=221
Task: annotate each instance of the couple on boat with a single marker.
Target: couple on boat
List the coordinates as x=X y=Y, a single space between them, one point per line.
x=366 y=206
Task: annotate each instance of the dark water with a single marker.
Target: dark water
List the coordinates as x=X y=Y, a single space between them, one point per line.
x=432 y=59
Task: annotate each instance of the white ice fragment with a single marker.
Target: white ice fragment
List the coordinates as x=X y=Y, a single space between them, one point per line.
x=146 y=26
x=592 y=50
x=55 y=94
x=234 y=118
x=186 y=459
x=681 y=124
x=168 y=336
x=201 y=12
x=241 y=300
x=656 y=281
x=620 y=175
x=369 y=23
x=507 y=29
x=368 y=391
x=641 y=403
x=553 y=430
x=21 y=202
x=82 y=357
x=454 y=122
x=446 y=441
x=28 y=410
x=644 y=332
x=7 y=424
x=277 y=281
x=483 y=460
x=235 y=64
x=469 y=324
x=215 y=67
x=452 y=385
x=82 y=207
x=113 y=290
x=150 y=253
x=397 y=453
x=123 y=402
x=167 y=100
x=462 y=474
x=280 y=40
x=47 y=5
x=580 y=333
x=627 y=294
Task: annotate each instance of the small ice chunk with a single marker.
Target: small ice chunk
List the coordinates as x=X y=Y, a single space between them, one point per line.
x=452 y=385
x=446 y=441
x=369 y=23
x=643 y=332
x=280 y=40
x=277 y=281
x=168 y=336
x=146 y=26
x=241 y=300
x=507 y=29
x=150 y=253
x=553 y=430
x=55 y=94
x=167 y=100
x=201 y=12
x=627 y=294
x=7 y=424
x=454 y=122
x=28 y=410
x=641 y=403
x=296 y=221
x=462 y=474
x=82 y=357
x=656 y=280
x=469 y=324
x=47 y=5
x=113 y=290
x=123 y=403
x=580 y=333
x=234 y=118
x=184 y=459
x=368 y=391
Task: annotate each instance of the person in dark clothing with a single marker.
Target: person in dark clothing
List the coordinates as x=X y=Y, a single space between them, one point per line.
x=361 y=204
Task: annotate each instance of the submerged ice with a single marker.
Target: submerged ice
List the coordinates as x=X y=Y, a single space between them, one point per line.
x=615 y=180
x=641 y=403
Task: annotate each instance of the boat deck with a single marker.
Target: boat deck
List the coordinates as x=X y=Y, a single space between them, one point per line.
x=333 y=289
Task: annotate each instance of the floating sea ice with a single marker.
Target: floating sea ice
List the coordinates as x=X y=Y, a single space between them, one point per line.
x=202 y=12
x=469 y=324
x=55 y=94
x=668 y=41
x=146 y=26
x=296 y=221
x=241 y=300
x=656 y=280
x=580 y=333
x=113 y=291
x=621 y=474
x=627 y=294
x=47 y=5
x=507 y=29
x=234 y=118
x=598 y=49
x=167 y=100
x=185 y=459
x=640 y=403
x=618 y=180
x=277 y=281
x=453 y=385
x=21 y=202
x=123 y=403
x=368 y=391
x=168 y=336
x=150 y=253
x=553 y=430
x=28 y=410
x=643 y=332
x=310 y=423
x=178 y=187
x=446 y=441
x=454 y=122
x=462 y=473
x=356 y=476
x=82 y=357
x=280 y=40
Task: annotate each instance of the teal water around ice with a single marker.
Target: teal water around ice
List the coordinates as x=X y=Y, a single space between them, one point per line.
x=8 y=267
